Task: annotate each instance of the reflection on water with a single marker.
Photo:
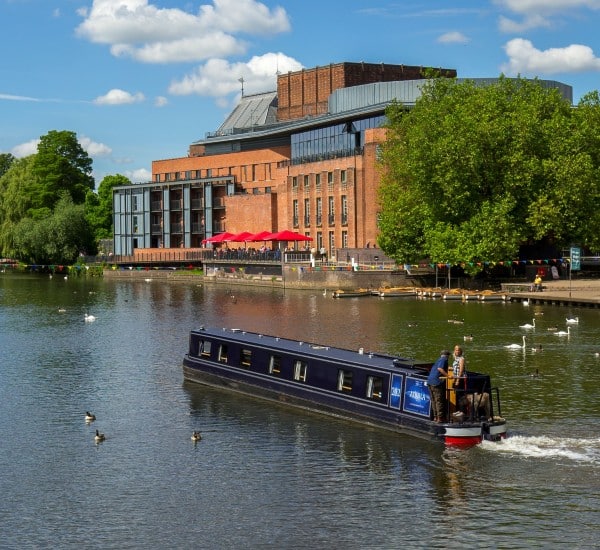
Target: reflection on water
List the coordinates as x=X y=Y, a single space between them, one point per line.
x=263 y=475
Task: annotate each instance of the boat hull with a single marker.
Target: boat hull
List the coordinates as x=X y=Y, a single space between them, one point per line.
x=374 y=389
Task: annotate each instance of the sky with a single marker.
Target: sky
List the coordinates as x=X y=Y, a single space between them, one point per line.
x=140 y=80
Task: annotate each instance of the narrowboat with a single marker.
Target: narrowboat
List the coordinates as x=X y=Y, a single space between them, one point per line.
x=379 y=390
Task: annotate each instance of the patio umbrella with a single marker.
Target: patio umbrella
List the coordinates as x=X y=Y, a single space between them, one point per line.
x=287 y=235
x=240 y=237
x=221 y=237
x=259 y=236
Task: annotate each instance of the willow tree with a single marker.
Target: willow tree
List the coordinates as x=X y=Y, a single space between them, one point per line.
x=472 y=172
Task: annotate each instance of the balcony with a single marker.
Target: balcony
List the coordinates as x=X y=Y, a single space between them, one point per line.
x=156 y=228
x=197 y=204
x=175 y=204
x=176 y=228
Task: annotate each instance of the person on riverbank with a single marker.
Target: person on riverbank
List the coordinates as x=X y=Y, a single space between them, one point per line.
x=436 y=382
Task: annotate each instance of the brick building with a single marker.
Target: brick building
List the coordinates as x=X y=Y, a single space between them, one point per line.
x=301 y=158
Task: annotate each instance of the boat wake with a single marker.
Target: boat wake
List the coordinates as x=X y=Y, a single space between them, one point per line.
x=575 y=449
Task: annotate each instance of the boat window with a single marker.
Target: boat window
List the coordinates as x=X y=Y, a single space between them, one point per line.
x=223 y=353
x=374 y=387
x=300 y=370
x=275 y=364
x=204 y=347
x=344 y=380
x=245 y=357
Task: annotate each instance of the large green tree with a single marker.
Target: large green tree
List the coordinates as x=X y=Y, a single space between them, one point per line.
x=61 y=164
x=57 y=239
x=472 y=172
x=99 y=207
x=6 y=159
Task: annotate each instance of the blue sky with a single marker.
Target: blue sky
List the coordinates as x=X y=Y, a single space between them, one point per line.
x=140 y=80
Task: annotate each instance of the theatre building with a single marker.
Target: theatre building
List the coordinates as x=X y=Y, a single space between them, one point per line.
x=302 y=158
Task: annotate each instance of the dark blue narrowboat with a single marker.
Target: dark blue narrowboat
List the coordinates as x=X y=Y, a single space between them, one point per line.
x=379 y=390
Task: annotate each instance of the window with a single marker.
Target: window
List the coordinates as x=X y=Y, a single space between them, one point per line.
x=318 y=182
x=374 y=387
x=300 y=370
x=344 y=209
x=267 y=190
x=245 y=357
x=222 y=353
x=306 y=182
x=331 y=242
x=295 y=212
x=330 y=178
x=344 y=381
x=343 y=176
x=275 y=365
x=294 y=183
x=319 y=211
x=344 y=239
x=307 y=212
x=331 y=213
x=204 y=348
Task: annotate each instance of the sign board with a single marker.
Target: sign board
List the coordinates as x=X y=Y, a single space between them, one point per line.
x=575 y=258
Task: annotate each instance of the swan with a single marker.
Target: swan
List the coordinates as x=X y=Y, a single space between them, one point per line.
x=89 y=417
x=196 y=436
x=516 y=346
x=468 y=338
x=563 y=333
x=572 y=320
x=62 y=310
x=325 y=292
x=99 y=437
x=525 y=302
x=527 y=325
x=89 y=318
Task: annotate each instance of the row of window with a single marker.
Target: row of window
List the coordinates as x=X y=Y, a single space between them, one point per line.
x=306 y=179
x=345 y=377
x=250 y=172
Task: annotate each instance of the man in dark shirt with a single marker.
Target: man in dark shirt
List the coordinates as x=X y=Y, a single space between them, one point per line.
x=436 y=382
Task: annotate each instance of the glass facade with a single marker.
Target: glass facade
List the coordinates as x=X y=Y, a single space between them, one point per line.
x=331 y=140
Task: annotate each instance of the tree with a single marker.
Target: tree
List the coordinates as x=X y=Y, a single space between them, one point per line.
x=61 y=164
x=6 y=159
x=57 y=239
x=99 y=207
x=473 y=172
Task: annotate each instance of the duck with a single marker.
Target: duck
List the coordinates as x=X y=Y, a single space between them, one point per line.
x=468 y=338
x=62 y=310
x=564 y=333
x=89 y=417
x=572 y=320
x=552 y=328
x=537 y=348
x=89 y=318
x=535 y=374
x=99 y=437
x=196 y=436
x=527 y=325
x=516 y=346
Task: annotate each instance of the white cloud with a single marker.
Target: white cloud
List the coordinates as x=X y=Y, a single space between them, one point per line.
x=25 y=149
x=525 y=58
x=141 y=175
x=218 y=78
x=93 y=148
x=119 y=97
x=539 y=13
x=453 y=37
x=142 y=31
x=160 y=101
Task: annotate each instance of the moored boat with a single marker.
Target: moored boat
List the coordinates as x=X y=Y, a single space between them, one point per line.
x=376 y=389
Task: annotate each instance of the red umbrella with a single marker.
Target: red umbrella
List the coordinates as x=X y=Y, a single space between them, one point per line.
x=259 y=236
x=221 y=237
x=287 y=235
x=240 y=237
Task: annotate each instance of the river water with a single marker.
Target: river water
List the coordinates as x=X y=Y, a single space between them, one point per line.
x=264 y=476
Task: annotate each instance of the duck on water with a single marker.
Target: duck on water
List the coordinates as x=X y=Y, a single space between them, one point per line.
x=380 y=390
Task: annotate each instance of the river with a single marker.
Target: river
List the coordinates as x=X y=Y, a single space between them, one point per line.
x=264 y=476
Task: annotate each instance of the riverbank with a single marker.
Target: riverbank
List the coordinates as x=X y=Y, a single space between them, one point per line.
x=580 y=292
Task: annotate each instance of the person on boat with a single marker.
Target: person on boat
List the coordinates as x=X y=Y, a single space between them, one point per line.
x=459 y=374
x=537 y=283
x=436 y=382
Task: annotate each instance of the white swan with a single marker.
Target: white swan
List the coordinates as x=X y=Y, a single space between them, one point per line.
x=527 y=325
x=516 y=346
x=525 y=302
x=563 y=333
x=468 y=337
x=89 y=318
x=572 y=320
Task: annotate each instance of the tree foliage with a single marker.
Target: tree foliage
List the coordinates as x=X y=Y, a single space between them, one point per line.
x=99 y=207
x=60 y=165
x=58 y=239
x=472 y=172
x=6 y=160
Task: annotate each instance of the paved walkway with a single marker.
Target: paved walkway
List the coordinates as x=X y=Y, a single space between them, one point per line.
x=584 y=291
